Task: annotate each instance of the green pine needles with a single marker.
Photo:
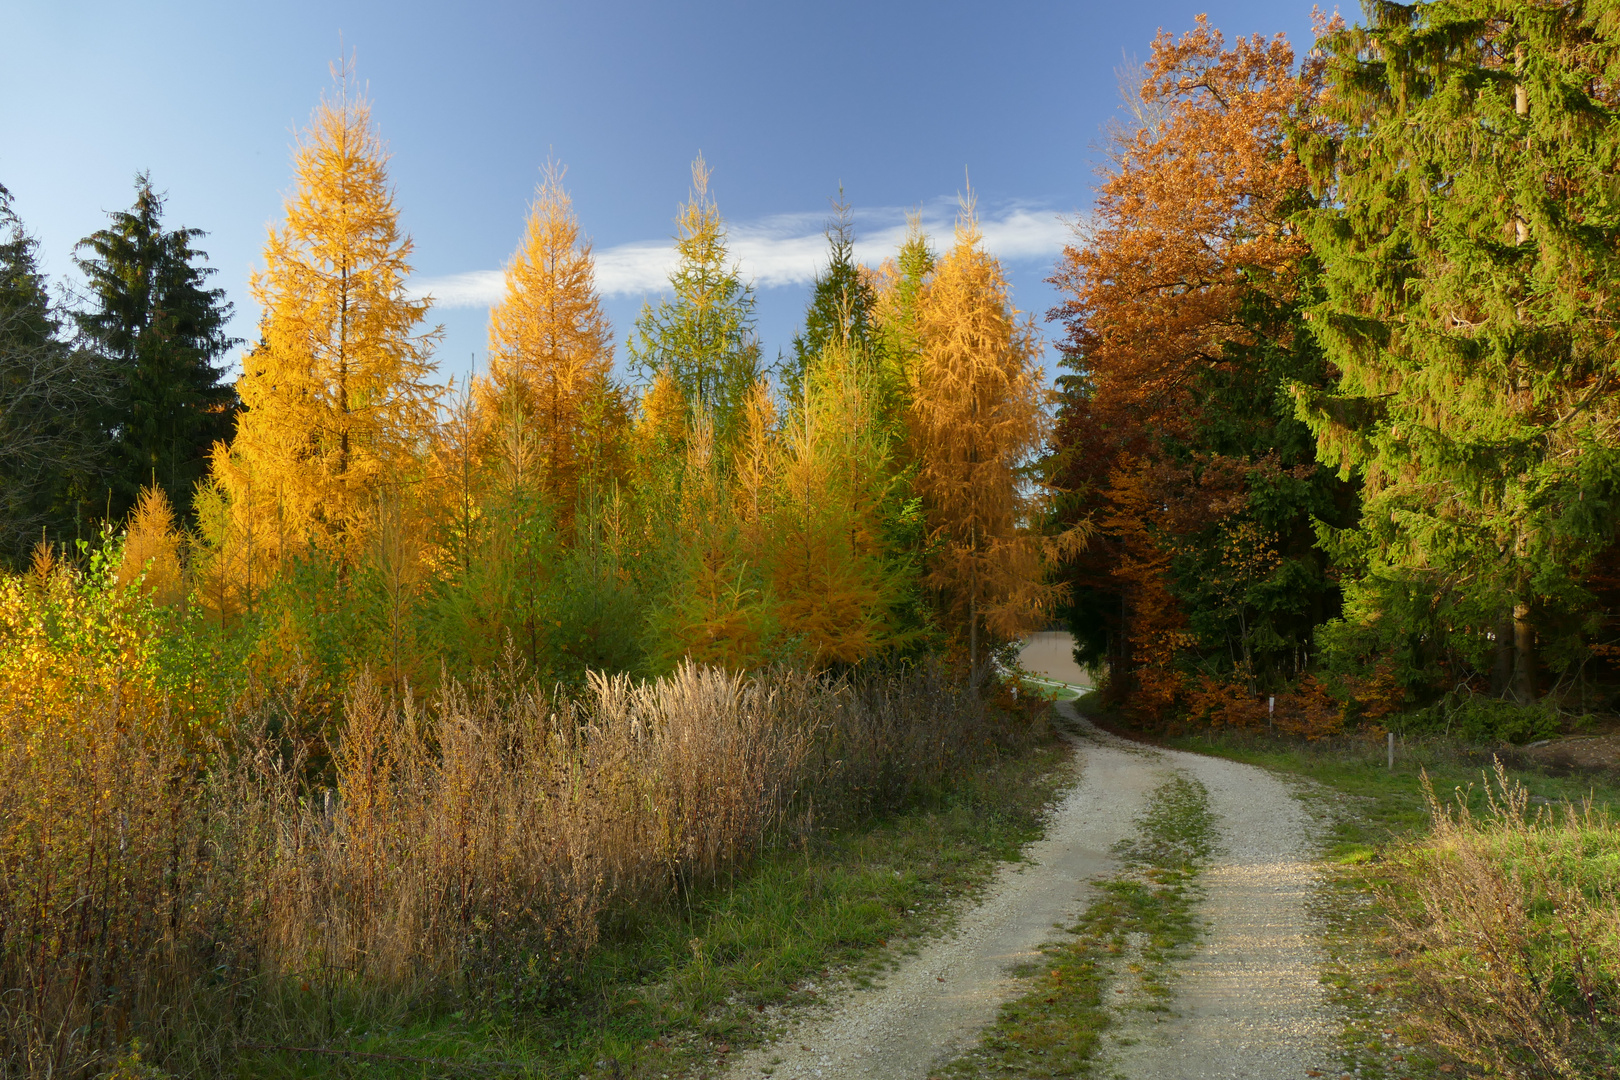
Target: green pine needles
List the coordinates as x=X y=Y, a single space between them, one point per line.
x=1468 y=241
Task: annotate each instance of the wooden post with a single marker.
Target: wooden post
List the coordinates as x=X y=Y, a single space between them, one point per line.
x=1392 y=751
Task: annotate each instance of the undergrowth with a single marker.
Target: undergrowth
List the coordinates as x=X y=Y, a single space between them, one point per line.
x=459 y=875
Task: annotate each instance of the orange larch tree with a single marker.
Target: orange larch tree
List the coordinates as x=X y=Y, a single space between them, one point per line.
x=551 y=351
x=976 y=418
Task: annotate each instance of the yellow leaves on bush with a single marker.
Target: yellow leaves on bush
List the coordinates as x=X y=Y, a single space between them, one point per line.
x=60 y=636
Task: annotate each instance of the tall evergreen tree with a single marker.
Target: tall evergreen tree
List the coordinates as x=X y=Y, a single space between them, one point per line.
x=975 y=420
x=703 y=338
x=1469 y=248
x=161 y=333
x=51 y=396
x=840 y=311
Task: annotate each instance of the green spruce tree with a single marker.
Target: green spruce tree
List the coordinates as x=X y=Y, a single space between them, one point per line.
x=1469 y=239
x=840 y=311
x=51 y=394
x=161 y=332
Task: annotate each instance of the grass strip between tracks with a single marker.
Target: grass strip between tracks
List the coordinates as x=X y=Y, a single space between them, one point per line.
x=1116 y=957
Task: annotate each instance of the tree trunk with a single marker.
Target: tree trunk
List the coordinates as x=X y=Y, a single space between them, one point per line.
x=1502 y=672
x=973 y=641
x=1521 y=107
x=1524 y=655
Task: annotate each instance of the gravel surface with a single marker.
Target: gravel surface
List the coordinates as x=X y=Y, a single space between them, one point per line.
x=1249 y=1002
x=936 y=1004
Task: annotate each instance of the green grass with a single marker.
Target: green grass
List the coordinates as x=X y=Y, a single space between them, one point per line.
x=1055 y=1027
x=678 y=988
x=1383 y=806
x=1375 y=818
x=1052 y=689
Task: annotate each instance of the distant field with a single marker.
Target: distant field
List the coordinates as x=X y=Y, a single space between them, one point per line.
x=1050 y=655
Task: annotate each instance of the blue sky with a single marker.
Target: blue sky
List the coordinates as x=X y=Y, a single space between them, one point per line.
x=895 y=101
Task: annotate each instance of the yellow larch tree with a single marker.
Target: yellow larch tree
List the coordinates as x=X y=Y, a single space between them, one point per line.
x=151 y=559
x=338 y=394
x=975 y=418
x=712 y=609
x=830 y=586
x=551 y=351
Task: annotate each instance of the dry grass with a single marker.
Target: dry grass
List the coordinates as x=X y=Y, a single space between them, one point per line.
x=1509 y=930
x=466 y=847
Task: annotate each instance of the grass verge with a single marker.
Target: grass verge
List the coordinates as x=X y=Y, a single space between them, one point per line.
x=1418 y=1008
x=676 y=988
x=1125 y=941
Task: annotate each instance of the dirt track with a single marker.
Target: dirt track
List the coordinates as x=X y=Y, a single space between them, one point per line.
x=1250 y=1004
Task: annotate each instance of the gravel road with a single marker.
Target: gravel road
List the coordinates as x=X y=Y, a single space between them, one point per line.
x=1250 y=1004
x=1249 y=1001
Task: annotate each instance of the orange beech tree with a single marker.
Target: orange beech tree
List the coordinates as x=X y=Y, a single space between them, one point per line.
x=976 y=417
x=1176 y=431
x=339 y=401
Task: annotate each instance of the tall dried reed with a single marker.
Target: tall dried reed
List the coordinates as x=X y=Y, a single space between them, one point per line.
x=464 y=846
x=101 y=876
x=1509 y=924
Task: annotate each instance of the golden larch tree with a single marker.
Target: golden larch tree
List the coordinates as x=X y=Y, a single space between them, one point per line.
x=551 y=351
x=975 y=419
x=338 y=393
x=831 y=588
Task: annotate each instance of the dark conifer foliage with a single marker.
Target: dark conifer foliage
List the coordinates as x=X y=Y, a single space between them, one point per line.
x=51 y=394
x=840 y=311
x=161 y=331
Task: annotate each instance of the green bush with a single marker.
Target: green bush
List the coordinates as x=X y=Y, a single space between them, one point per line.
x=1478 y=719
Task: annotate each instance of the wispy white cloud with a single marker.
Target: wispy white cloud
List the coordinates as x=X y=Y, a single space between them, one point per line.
x=787 y=249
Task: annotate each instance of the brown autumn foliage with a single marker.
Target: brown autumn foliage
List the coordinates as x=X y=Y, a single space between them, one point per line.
x=1191 y=225
x=1194 y=216
x=469 y=843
